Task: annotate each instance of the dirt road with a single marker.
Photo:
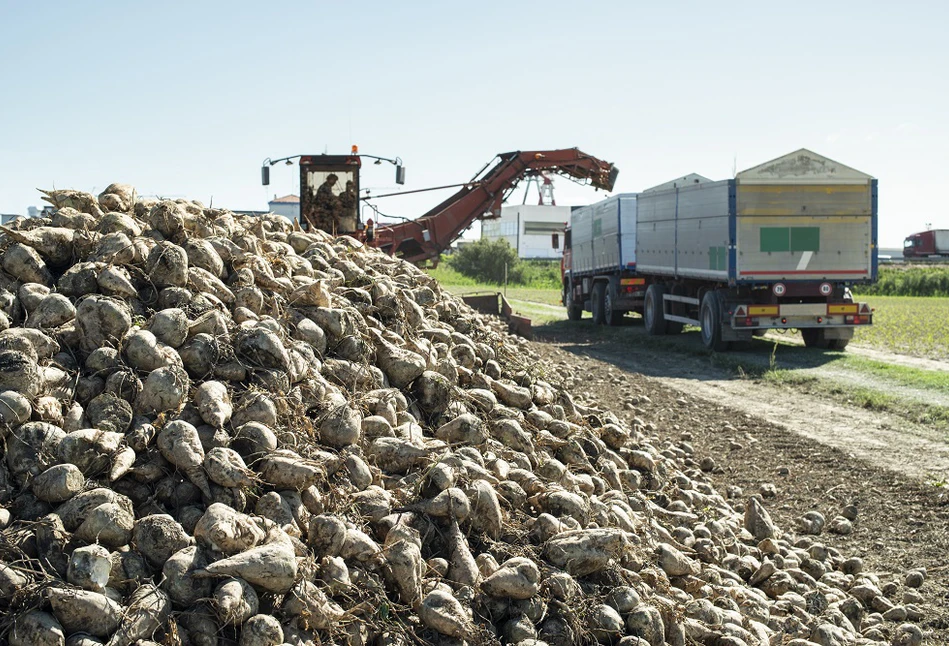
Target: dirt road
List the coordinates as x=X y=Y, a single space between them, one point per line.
x=819 y=454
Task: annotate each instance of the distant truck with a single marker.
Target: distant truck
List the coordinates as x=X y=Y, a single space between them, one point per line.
x=926 y=244
x=778 y=247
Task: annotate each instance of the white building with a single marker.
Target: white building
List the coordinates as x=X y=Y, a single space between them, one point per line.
x=287 y=206
x=535 y=231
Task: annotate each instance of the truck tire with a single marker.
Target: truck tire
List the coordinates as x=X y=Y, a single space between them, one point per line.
x=814 y=338
x=710 y=314
x=574 y=311
x=653 y=316
x=599 y=316
x=612 y=316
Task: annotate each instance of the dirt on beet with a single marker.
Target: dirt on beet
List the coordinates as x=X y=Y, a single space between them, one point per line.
x=903 y=519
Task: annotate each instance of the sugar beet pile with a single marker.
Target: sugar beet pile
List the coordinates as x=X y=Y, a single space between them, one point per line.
x=221 y=430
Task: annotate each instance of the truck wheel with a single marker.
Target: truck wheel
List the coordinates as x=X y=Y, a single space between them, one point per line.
x=711 y=317
x=838 y=344
x=599 y=316
x=574 y=311
x=612 y=316
x=814 y=338
x=653 y=317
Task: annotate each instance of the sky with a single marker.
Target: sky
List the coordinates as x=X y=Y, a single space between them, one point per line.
x=186 y=99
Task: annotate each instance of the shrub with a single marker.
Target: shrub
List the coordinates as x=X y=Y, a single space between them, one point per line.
x=485 y=260
x=913 y=280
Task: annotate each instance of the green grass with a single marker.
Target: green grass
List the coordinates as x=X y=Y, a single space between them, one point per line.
x=915 y=326
x=903 y=375
x=932 y=415
x=448 y=278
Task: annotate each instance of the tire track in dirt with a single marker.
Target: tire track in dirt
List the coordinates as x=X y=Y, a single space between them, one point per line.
x=882 y=439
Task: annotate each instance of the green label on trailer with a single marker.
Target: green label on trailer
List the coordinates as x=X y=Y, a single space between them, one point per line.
x=718 y=258
x=790 y=239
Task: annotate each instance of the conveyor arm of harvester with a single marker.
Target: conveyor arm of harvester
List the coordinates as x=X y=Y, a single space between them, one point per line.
x=422 y=240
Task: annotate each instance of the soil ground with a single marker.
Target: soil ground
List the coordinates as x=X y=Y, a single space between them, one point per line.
x=820 y=455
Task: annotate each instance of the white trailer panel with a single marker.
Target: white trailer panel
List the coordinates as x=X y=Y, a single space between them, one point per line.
x=942 y=240
x=604 y=235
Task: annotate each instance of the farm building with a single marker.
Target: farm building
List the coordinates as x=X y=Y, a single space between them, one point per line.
x=535 y=231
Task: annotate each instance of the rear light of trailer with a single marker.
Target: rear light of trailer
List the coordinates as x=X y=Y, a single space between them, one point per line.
x=746 y=321
x=857 y=320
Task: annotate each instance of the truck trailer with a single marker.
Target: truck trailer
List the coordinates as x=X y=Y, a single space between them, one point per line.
x=777 y=247
x=927 y=244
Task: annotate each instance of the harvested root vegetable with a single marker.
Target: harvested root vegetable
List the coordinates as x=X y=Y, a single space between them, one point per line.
x=315 y=610
x=226 y=468
x=403 y=550
x=284 y=469
x=19 y=373
x=159 y=536
x=214 y=403
x=261 y=630
x=147 y=610
x=224 y=530
x=165 y=389
x=11 y=580
x=462 y=567
x=180 y=444
x=271 y=567
x=85 y=611
x=90 y=567
x=178 y=577
x=14 y=408
x=586 y=551
x=517 y=578
x=235 y=601
x=441 y=612
x=109 y=524
x=341 y=427
x=58 y=483
x=89 y=449
x=485 y=508
x=37 y=628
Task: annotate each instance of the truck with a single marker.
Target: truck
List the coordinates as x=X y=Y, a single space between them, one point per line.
x=422 y=240
x=776 y=248
x=927 y=244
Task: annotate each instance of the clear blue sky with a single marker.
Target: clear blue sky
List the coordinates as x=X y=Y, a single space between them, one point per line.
x=187 y=98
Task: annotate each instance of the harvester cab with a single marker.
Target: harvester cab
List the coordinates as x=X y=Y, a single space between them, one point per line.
x=329 y=189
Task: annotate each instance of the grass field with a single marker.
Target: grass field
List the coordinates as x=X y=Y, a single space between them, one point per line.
x=908 y=325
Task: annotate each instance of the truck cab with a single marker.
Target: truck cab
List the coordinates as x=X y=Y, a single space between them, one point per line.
x=924 y=244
